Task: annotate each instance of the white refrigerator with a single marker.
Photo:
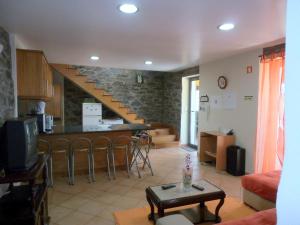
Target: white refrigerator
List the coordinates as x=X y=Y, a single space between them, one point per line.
x=91 y=114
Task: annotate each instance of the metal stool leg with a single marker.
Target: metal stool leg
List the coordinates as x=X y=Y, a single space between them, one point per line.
x=51 y=169
x=107 y=162
x=69 y=165
x=93 y=167
x=90 y=166
x=113 y=163
x=73 y=168
x=127 y=163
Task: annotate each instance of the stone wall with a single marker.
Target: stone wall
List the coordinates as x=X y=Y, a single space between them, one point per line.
x=157 y=99
x=144 y=99
x=7 y=101
x=172 y=96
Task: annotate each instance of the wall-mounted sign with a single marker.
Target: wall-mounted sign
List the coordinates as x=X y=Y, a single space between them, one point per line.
x=248 y=98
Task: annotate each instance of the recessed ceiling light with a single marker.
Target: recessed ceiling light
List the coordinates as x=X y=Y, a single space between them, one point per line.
x=94 y=57
x=148 y=62
x=226 y=26
x=128 y=8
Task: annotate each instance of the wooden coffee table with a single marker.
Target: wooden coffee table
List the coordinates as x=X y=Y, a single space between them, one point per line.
x=178 y=196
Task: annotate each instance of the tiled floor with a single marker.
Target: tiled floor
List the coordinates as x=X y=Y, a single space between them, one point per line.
x=93 y=204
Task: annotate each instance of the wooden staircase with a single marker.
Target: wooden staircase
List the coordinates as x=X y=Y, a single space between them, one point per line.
x=162 y=138
x=101 y=95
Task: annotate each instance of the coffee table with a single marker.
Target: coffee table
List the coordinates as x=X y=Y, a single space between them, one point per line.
x=178 y=196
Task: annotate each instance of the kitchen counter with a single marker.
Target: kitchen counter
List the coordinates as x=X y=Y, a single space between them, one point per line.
x=58 y=130
x=72 y=133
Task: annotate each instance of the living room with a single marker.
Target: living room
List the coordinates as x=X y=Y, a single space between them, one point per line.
x=139 y=63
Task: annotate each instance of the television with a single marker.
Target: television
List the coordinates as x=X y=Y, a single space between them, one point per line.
x=19 y=139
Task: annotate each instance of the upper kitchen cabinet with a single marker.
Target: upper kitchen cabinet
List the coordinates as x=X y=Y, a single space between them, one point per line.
x=35 y=78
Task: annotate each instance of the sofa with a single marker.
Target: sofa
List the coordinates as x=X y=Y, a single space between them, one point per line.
x=260 y=190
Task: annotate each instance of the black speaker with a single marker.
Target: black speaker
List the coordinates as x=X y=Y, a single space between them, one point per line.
x=235 y=160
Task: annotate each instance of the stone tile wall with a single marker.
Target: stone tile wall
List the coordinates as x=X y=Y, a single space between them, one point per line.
x=144 y=99
x=7 y=101
x=157 y=99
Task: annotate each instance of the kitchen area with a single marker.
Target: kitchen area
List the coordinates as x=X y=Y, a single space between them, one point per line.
x=63 y=125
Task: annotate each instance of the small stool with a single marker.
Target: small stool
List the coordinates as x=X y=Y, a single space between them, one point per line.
x=44 y=147
x=61 y=145
x=82 y=144
x=176 y=219
x=102 y=143
x=142 y=144
x=121 y=143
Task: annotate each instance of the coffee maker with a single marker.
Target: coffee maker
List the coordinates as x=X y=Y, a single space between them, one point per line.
x=45 y=121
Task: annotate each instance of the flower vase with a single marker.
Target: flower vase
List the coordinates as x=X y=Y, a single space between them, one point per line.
x=187 y=176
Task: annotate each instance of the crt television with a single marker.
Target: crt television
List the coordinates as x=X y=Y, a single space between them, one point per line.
x=19 y=144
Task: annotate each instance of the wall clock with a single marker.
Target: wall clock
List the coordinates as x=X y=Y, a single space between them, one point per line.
x=222 y=82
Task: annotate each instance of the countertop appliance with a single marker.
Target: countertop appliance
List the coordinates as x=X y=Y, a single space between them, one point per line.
x=91 y=114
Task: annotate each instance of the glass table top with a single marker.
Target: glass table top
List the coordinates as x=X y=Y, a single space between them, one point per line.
x=180 y=192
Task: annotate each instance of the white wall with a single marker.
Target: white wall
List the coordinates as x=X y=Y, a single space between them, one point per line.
x=243 y=118
x=289 y=189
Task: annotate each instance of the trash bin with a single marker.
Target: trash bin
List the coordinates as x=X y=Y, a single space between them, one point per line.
x=235 y=160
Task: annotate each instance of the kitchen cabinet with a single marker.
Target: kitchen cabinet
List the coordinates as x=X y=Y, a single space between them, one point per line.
x=54 y=106
x=34 y=75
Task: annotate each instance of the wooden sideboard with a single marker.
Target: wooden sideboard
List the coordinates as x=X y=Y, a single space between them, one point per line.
x=213 y=147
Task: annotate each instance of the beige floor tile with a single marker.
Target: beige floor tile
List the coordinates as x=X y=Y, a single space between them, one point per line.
x=93 y=204
x=108 y=198
x=92 y=208
x=100 y=221
x=58 y=213
x=74 y=203
x=57 y=197
x=75 y=218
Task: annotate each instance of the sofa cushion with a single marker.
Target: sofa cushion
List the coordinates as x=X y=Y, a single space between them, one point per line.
x=264 y=185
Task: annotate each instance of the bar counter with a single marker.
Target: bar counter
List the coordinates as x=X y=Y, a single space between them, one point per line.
x=74 y=132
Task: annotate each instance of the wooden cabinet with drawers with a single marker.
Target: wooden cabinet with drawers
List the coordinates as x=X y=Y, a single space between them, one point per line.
x=34 y=74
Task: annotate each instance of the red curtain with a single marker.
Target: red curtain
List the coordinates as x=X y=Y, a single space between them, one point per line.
x=270 y=118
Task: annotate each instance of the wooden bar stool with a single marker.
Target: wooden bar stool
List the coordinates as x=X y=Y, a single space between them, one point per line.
x=102 y=143
x=82 y=144
x=121 y=143
x=61 y=146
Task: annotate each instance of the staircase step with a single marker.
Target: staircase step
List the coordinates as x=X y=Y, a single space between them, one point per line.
x=160 y=131
x=163 y=138
x=82 y=81
x=90 y=81
x=141 y=121
x=167 y=145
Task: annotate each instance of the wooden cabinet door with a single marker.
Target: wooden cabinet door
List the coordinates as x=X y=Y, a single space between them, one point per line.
x=54 y=106
x=29 y=71
x=35 y=79
x=48 y=81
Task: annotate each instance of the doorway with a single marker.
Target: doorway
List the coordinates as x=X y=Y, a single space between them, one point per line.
x=193 y=111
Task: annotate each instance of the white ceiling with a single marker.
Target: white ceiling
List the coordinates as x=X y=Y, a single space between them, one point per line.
x=174 y=34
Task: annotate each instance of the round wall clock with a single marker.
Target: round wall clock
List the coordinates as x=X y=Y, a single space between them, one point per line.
x=222 y=82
